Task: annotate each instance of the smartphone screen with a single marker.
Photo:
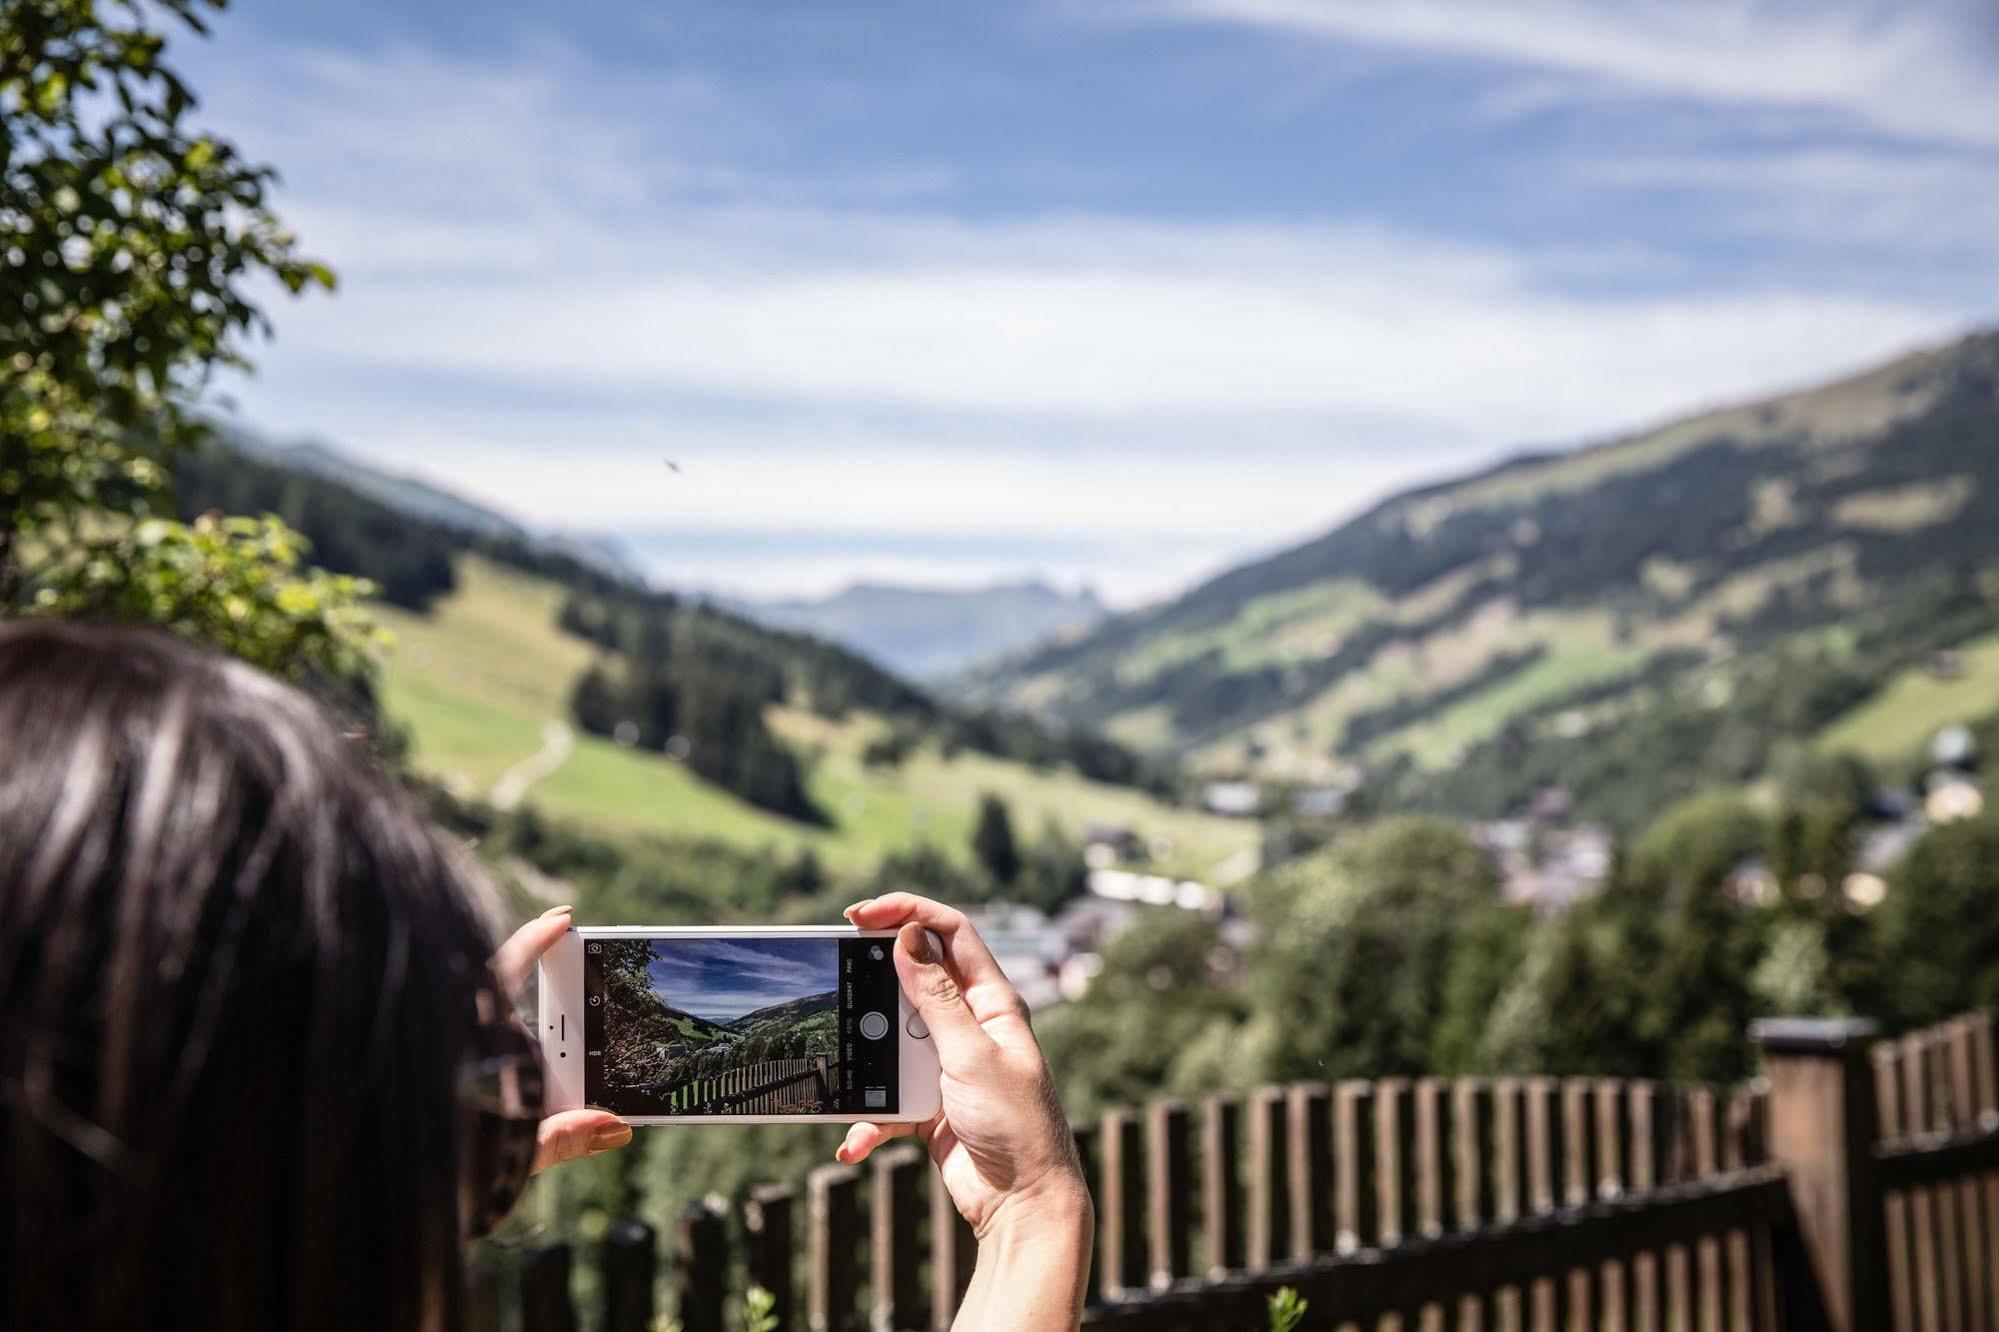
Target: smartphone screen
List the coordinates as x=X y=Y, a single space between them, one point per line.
x=740 y=1025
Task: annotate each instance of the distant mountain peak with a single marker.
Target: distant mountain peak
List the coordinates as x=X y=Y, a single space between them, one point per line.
x=930 y=632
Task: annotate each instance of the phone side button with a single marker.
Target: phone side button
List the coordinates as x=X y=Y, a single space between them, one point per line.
x=915 y=1027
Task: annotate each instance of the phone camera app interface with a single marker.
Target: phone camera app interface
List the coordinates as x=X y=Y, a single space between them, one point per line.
x=740 y=1026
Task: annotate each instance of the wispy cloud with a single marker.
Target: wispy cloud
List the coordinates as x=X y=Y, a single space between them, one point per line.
x=1916 y=69
x=545 y=293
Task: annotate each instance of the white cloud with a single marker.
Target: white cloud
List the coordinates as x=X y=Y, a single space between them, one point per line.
x=1938 y=205
x=1174 y=392
x=1916 y=69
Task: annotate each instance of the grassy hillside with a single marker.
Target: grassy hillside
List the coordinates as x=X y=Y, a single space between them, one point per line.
x=478 y=680
x=1896 y=724
x=1540 y=606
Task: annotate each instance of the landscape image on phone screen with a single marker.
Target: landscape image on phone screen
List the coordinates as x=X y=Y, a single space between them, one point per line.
x=735 y=1026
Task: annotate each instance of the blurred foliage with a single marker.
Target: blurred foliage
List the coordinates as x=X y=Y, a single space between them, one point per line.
x=1939 y=930
x=130 y=244
x=1358 y=950
x=1390 y=952
x=1157 y=1020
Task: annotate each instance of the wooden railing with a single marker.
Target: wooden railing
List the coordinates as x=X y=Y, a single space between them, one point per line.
x=768 y=1088
x=1516 y=1204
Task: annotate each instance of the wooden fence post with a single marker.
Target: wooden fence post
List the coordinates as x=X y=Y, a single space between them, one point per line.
x=1221 y=1186
x=701 y=1266
x=631 y=1258
x=545 y=1303
x=1823 y=1131
x=1269 y=1205
x=832 y=1227
x=898 y=1179
x=768 y=1246
x=1167 y=1184
x=1121 y=1203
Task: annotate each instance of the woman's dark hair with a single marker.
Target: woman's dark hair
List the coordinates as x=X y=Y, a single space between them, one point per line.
x=239 y=975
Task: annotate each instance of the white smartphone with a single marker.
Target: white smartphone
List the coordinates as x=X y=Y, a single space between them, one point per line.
x=721 y=1025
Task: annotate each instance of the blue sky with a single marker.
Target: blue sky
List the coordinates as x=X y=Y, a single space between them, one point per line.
x=1105 y=290
x=720 y=979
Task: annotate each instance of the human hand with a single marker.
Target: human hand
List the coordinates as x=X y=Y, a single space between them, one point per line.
x=1000 y=1140
x=569 y=1134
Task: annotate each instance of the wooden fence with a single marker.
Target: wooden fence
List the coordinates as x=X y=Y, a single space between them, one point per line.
x=1427 y=1205
x=770 y=1088
x=1938 y=1170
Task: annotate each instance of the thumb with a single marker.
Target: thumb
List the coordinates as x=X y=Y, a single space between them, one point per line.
x=574 y=1134
x=940 y=1000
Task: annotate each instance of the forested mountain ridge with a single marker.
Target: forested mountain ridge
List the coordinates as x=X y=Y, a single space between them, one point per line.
x=1542 y=604
x=695 y=720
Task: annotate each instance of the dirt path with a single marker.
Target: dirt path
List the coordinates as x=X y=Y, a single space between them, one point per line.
x=557 y=740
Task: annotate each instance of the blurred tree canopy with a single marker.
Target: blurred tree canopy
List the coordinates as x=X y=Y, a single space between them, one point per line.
x=1359 y=949
x=131 y=248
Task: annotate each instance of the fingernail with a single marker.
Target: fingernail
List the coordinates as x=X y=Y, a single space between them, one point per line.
x=916 y=940
x=557 y=911
x=604 y=1138
x=849 y=912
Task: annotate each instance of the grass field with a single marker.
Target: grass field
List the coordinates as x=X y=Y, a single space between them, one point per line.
x=476 y=681
x=1900 y=720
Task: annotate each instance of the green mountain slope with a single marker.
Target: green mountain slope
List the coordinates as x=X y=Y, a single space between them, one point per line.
x=478 y=680
x=492 y=628
x=1533 y=610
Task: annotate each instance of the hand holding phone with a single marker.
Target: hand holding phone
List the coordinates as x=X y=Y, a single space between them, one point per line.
x=567 y=1134
x=707 y=1024
x=999 y=1138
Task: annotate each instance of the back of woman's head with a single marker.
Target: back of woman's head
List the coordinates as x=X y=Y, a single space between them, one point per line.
x=239 y=975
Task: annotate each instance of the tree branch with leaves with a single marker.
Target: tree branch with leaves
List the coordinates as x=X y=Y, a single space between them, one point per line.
x=132 y=250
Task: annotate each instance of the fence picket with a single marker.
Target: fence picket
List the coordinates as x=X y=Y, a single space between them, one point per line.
x=545 y=1303
x=1221 y=1186
x=895 y=1214
x=1545 y=1302
x=1704 y=1114
x=1394 y=1167
x=1645 y=1295
x=1925 y=1261
x=1474 y=1155
x=768 y=1246
x=700 y=1274
x=1269 y=1206
x=1308 y=1153
x=1169 y=1230
x=832 y=1226
x=1608 y=1103
x=630 y=1262
x=1579 y=1179
x=1121 y=1211
x=1353 y=1165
